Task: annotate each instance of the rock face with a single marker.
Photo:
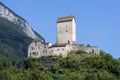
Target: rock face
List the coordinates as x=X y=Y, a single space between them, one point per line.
x=13 y=17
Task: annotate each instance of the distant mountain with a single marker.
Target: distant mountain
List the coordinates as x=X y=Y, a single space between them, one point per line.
x=15 y=34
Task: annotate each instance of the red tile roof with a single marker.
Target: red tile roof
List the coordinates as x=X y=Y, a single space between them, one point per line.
x=65 y=18
x=59 y=45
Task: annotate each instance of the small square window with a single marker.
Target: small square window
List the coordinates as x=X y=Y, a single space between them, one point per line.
x=35 y=53
x=32 y=48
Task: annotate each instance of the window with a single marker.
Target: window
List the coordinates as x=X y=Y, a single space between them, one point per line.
x=66 y=28
x=43 y=51
x=35 y=53
x=35 y=43
x=93 y=51
x=68 y=42
x=61 y=54
x=32 y=48
x=52 y=51
x=44 y=46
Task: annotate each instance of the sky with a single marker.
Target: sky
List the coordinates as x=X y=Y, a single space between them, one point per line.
x=97 y=21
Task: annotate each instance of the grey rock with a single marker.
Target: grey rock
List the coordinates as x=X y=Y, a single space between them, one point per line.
x=13 y=17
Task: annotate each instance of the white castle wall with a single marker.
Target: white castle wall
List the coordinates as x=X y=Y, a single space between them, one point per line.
x=66 y=31
x=35 y=49
x=59 y=51
x=74 y=30
x=38 y=49
x=91 y=49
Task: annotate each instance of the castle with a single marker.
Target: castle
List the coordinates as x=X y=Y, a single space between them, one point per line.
x=66 y=41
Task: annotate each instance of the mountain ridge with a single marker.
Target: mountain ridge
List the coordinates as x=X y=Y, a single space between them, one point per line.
x=12 y=16
x=15 y=34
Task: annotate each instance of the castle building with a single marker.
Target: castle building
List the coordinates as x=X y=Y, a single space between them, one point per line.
x=66 y=30
x=66 y=41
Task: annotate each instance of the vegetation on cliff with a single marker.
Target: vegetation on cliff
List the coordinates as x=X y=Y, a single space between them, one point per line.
x=78 y=65
x=13 y=41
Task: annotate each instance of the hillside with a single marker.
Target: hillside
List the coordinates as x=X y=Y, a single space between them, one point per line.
x=77 y=66
x=13 y=41
x=15 y=34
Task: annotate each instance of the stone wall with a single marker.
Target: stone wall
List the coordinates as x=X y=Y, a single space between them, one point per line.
x=93 y=49
x=66 y=32
x=38 y=49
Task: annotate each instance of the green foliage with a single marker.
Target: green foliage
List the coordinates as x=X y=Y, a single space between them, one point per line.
x=100 y=75
x=13 y=41
x=97 y=67
x=4 y=63
x=119 y=58
x=68 y=76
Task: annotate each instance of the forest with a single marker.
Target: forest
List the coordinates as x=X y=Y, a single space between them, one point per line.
x=78 y=65
x=13 y=41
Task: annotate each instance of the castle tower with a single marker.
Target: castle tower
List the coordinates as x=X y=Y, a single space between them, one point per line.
x=66 y=30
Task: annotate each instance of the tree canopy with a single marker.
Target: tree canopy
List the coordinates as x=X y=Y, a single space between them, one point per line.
x=73 y=67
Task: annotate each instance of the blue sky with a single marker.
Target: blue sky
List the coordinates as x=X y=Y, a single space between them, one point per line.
x=97 y=21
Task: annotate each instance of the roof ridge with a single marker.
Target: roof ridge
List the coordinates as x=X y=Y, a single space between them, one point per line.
x=65 y=18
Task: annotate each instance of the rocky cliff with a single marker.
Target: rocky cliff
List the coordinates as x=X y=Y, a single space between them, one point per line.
x=7 y=13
